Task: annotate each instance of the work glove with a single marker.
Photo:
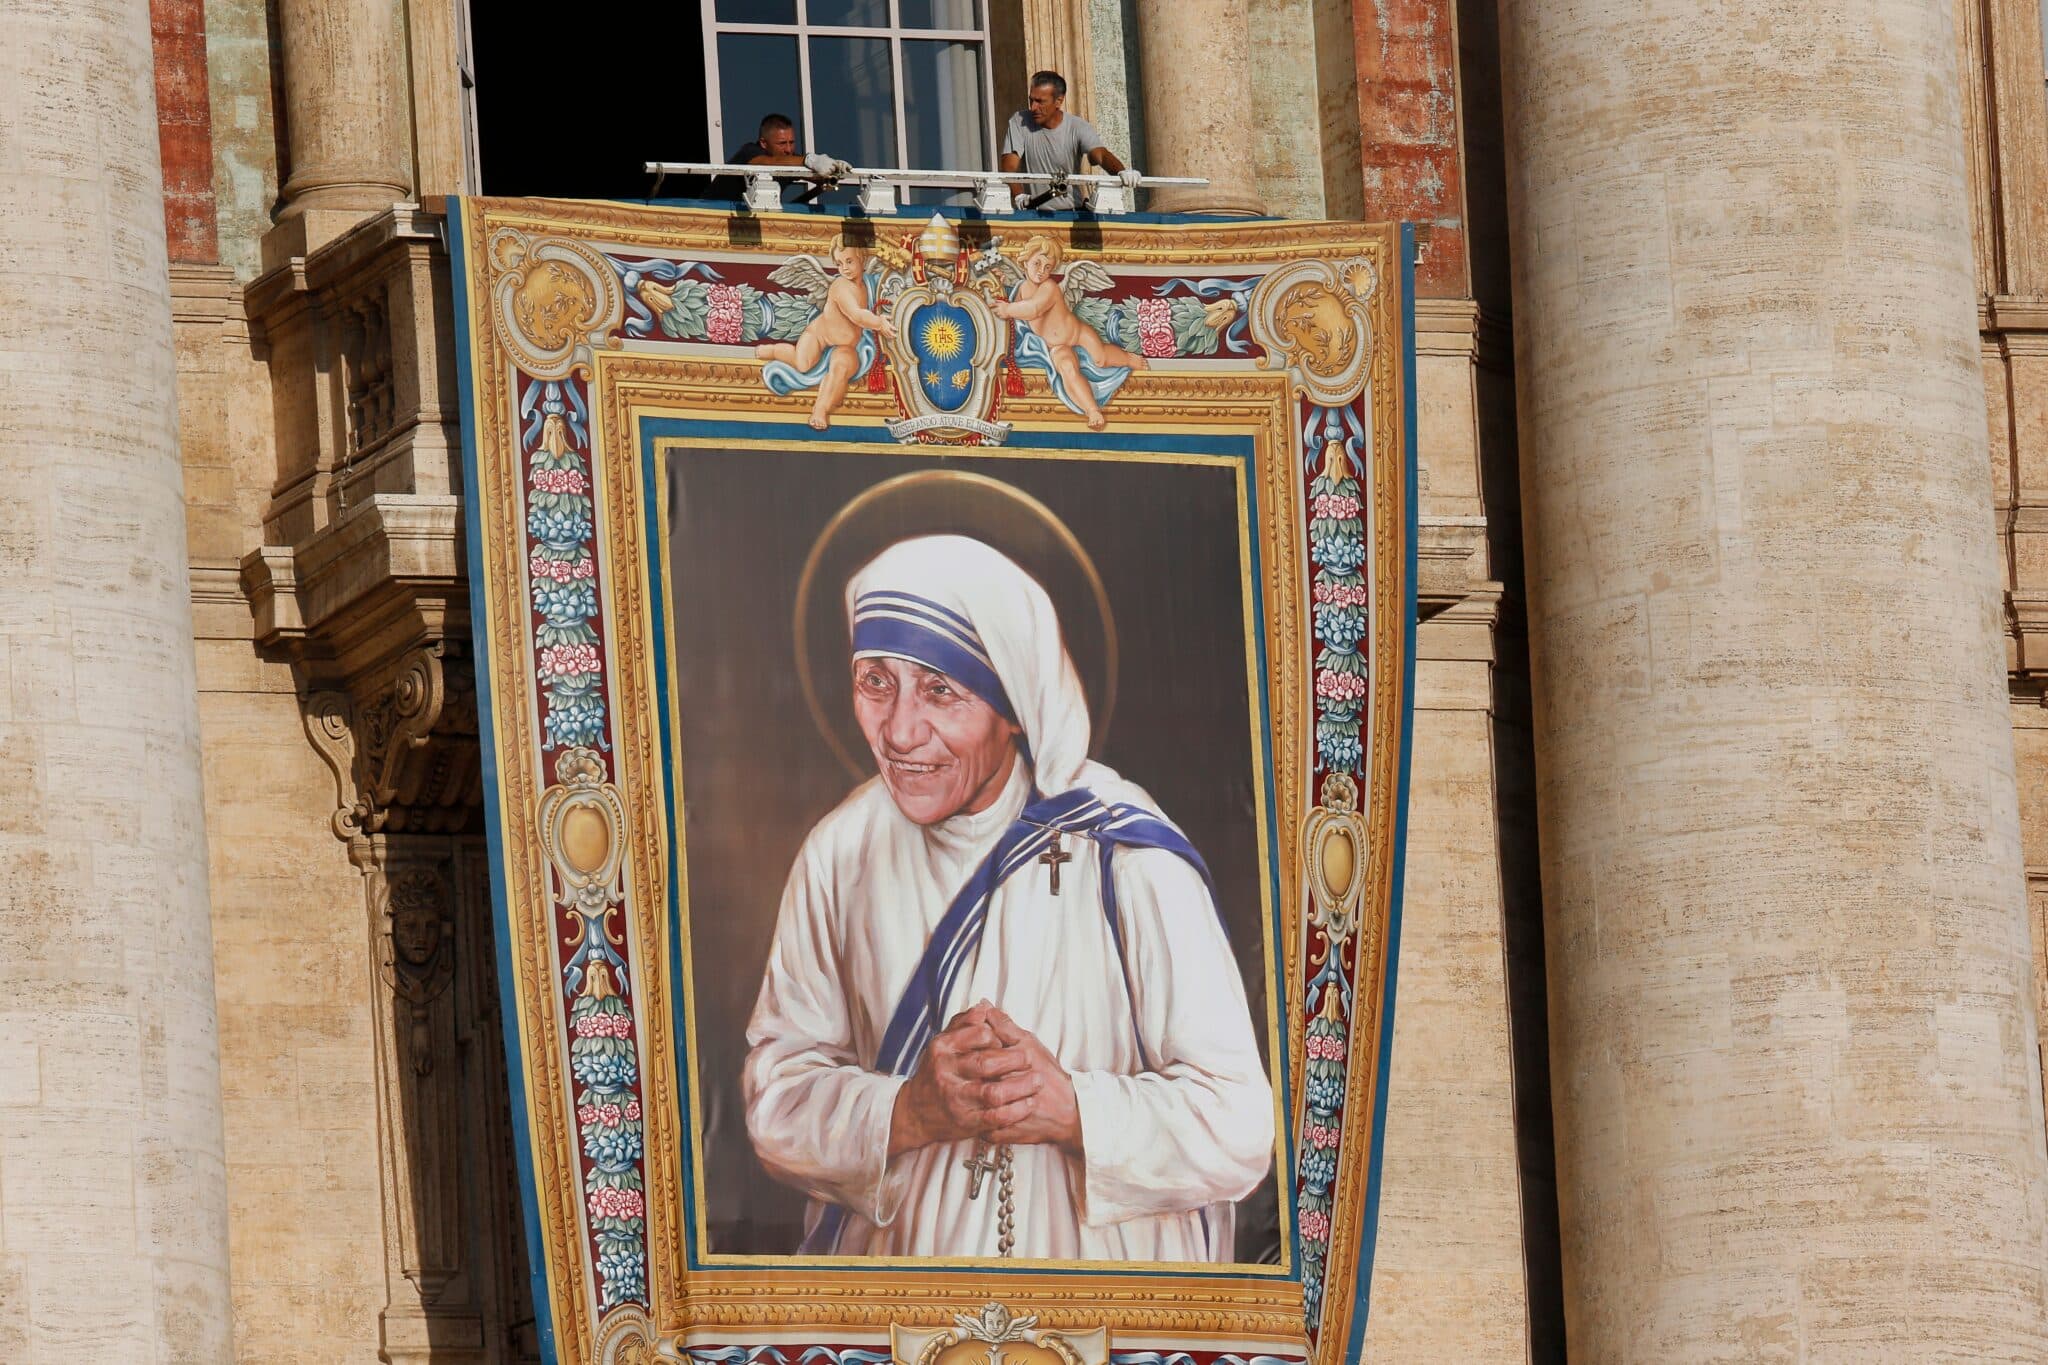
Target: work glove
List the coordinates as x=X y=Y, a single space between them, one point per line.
x=826 y=167
x=1020 y=201
x=1130 y=175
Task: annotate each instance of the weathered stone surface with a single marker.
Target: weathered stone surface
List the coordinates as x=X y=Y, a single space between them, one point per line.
x=113 y=1213
x=1792 y=1016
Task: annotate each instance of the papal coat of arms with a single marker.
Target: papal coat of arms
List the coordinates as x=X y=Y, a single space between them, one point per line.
x=944 y=345
x=940 y=327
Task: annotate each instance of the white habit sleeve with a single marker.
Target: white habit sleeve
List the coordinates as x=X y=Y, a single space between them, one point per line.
x=818 y=1119
x=1198 y=1128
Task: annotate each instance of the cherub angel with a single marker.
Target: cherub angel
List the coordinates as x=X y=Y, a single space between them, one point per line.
x=838 y=345
x=1086 y=371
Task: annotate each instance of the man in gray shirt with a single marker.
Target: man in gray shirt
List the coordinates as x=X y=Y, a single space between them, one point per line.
x=1044 y=139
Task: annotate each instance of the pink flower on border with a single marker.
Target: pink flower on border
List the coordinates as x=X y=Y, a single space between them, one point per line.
x=610 y=1203
x=586 y=1114
x=1323 y=1136
x=559 y=481
x=632 y=1110
x=567 y=661
x=1342 y=594
x=1315 y=1225
x=1334 y=506
x=1155 y=326
x=1334 y=686
x=585 y=567
x=727 y=321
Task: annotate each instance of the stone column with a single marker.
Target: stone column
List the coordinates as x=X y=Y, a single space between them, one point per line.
x=1198 y=98
x=113 y=1207
x=1798 y=1116
x=346 y=111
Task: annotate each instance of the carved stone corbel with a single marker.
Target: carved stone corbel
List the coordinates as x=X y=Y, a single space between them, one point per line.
x=403 y=748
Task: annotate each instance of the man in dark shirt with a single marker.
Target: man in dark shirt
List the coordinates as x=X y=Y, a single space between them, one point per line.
x=774 y=144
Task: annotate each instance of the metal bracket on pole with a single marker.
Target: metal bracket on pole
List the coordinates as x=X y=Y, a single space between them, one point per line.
x=877 y=196
x=763 y=194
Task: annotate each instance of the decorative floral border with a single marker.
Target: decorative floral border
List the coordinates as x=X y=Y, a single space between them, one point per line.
x=1334 y=455
x=597 y=978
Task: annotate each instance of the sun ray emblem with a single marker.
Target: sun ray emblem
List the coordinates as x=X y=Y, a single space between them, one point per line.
x=943 y=338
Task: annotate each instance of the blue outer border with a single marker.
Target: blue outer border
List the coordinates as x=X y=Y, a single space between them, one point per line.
x=501 y=925
x=1242 y=449
x=1371 y=1223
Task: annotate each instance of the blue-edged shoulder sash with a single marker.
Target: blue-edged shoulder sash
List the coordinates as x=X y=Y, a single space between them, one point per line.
x=921 y=1012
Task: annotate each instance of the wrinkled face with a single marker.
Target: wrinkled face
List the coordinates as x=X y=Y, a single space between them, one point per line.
x=1047 y=106
x=1038 y=269
x=779 y=142
x=941 y=750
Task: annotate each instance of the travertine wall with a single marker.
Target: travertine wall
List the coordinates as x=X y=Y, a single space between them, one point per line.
x=297 y=1056
x=1449 y=1281
x=113 y=1217
x=1797 y=1098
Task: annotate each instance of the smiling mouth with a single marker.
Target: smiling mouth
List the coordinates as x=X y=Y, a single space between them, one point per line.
x=904 y=768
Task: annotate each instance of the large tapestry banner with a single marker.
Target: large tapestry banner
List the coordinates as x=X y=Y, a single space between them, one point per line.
x=945 y=688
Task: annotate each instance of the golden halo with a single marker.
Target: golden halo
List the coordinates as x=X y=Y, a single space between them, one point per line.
x=945 y=502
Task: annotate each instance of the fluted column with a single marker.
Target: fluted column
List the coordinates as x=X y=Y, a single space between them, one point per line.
x=1198 y=102
x=347 y=117
x=1797 y=1112
x=113 y=1208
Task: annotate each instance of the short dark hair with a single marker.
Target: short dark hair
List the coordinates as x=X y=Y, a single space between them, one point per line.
x=775 y=123
x=1051 y=78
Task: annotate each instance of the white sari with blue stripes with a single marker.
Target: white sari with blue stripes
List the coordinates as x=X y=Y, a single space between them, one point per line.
x=1176 y=1112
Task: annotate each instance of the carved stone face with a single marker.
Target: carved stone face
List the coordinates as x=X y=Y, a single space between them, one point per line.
x=1314 y=318
x=551 y=301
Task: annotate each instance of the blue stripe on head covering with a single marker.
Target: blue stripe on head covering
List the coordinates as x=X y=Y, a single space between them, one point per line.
x=914 y=628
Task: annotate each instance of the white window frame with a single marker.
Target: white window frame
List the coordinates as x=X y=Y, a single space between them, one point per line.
x=803 y=31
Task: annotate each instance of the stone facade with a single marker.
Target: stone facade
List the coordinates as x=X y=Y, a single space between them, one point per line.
x=1787 y=1005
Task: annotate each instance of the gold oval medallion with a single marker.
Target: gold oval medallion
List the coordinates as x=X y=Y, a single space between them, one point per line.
x=585 y=839
x=1340 y=861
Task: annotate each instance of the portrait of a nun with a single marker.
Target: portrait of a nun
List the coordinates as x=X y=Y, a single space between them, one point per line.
x=1000 y=1015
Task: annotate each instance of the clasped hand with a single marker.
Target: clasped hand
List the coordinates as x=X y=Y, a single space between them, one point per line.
x=986 y=1077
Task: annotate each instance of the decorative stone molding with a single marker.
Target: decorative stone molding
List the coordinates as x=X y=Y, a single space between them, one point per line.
x=358 y=337
x=404 y=752
x=403 y=749
x=361 y=587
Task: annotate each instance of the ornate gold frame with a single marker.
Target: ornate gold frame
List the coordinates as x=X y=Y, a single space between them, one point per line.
x=549 y=853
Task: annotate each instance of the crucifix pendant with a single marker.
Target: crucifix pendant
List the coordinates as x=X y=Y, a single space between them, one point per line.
x=1052 y=858
x=981 y=1163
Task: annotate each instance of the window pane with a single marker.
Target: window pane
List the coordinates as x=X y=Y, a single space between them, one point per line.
x=853 y=100
x=943 y=111
x=757 y=11
x=852 y=13
x=941 y=14
x=757 y=75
